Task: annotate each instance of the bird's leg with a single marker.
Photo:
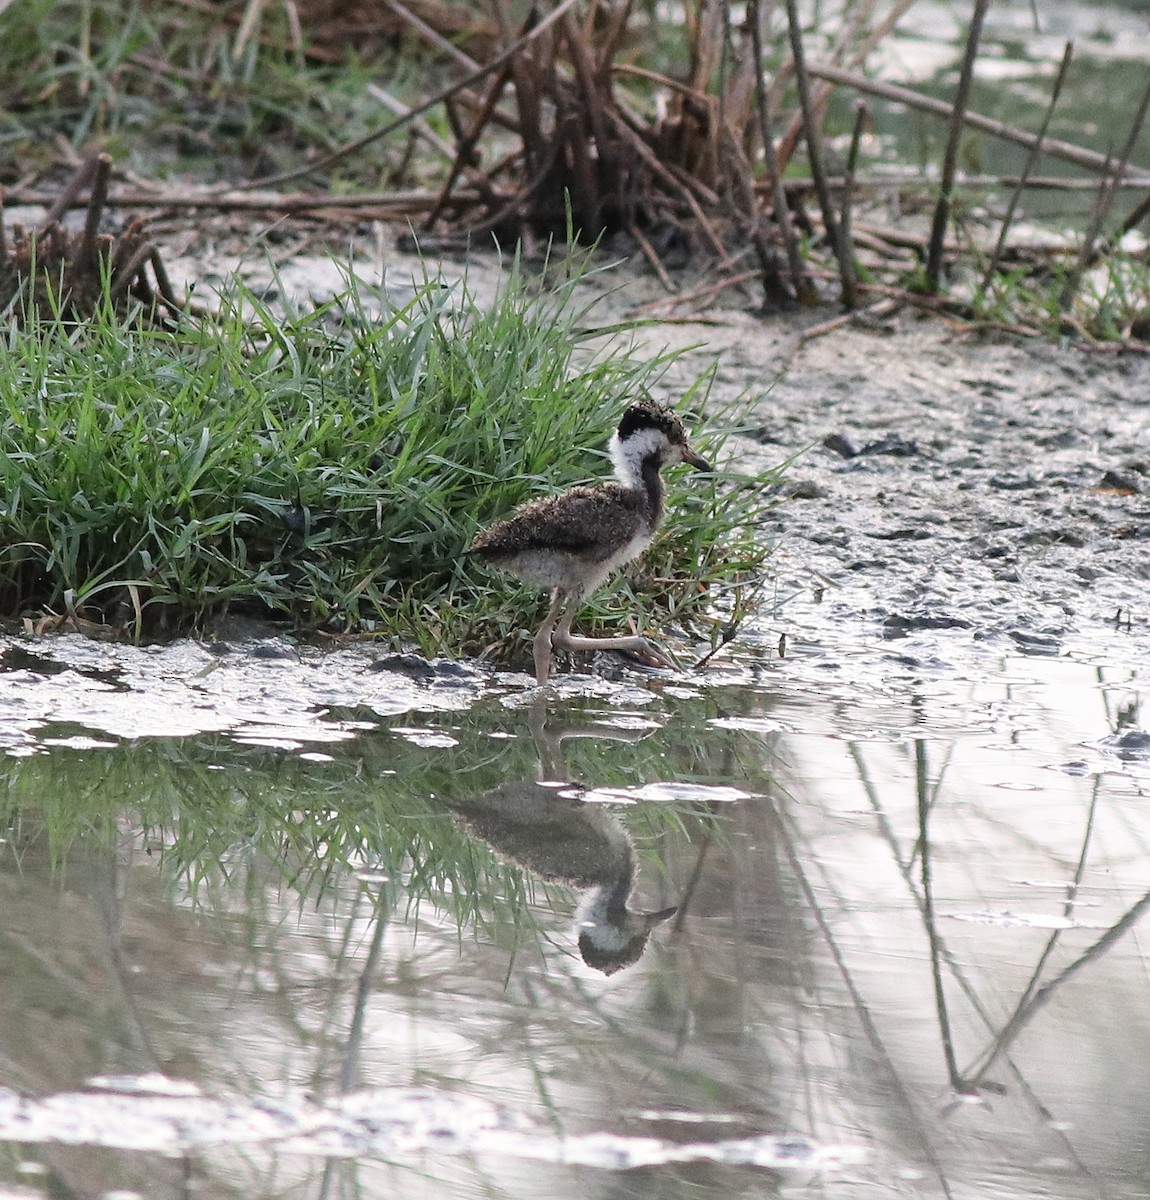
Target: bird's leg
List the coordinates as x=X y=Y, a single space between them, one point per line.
x=642 y=648
x=541 y=646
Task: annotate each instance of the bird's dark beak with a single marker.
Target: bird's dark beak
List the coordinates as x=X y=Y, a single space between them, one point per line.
x=657 y=918
x=695 y=460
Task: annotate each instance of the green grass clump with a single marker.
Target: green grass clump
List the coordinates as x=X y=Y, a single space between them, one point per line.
x=173 y=90
x=1108 y=302
x=330 y=467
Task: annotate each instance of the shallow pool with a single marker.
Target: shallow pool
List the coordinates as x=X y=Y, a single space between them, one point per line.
x=862 y=920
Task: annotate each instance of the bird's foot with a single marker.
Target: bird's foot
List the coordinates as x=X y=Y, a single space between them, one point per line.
x=648 y=654
x=642 y=649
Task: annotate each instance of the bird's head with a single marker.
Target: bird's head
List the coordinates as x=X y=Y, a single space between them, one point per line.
x=649 y=431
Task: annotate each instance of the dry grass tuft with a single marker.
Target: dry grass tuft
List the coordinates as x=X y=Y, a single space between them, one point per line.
x=60 y=275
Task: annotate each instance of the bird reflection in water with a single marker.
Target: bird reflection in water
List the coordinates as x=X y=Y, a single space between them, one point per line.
x=547 y=827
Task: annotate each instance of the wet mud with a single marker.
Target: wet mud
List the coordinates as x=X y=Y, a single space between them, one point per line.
x=944 y=481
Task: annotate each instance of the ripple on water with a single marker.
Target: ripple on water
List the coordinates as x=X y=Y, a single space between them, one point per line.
x=185 y=691
x=155 y=1114
x=666 y=792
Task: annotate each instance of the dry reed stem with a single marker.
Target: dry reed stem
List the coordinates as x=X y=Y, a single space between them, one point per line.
x=506 y=55
x=512 y=211
x=164 y=283
x=126 y=272
x=588 y=173
x=737 y=96
x=881 y=308
x=652 y=258
x=417 y=200
x=467 y=145
x=522 y=66
x=804 y=289
x=950 y=158
x=419 y=126
x=880 y=246
x=1105 y=202
x=1136 y=215
x=815 y=155
x=403 y=202
x=86 y=256
x=431 y=35
x=854 y=55
x=1028 y=166
x=1089 y=160
x=776 y=294
x=953 y=310
x=82 y=177
x=669 y=178
x=846 y=233
x=57 y=274
x=1050 y=183
x=708 y=292
x=901 y=237
x=700 y=190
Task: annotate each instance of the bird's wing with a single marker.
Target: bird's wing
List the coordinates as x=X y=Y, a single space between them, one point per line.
x=577 y=521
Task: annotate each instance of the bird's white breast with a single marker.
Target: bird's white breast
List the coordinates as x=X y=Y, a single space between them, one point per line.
x=575 y=574
x=631 y=550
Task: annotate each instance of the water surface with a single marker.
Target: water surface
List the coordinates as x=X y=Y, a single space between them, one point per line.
x=278 y=922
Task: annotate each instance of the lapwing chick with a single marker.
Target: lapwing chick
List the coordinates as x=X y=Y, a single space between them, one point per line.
x=572 y=542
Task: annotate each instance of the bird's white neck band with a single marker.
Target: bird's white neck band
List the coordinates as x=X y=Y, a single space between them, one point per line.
x=628 y=455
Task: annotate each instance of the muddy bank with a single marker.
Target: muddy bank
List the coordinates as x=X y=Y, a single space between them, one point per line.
x=999 y=491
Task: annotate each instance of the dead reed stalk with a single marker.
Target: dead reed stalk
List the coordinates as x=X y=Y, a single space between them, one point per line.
x=846 y=231
x=815 y=155
x=57 y=274
x=804 y=289
x=1106 y=195
x=681 y=162
x=950 y=159
x=1079 y=156
x=1031 y=161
